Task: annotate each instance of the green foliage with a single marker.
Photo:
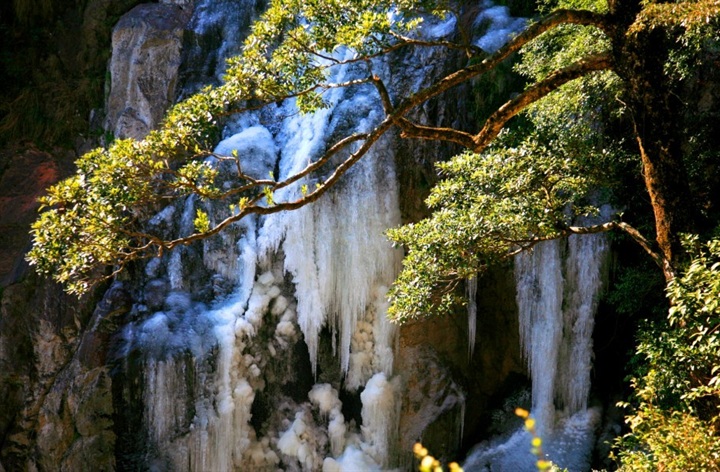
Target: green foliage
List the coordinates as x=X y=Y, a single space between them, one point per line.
x=576 y=112
x=637 y=291
x=695 y=321
x=669 y=441
x=91 y=219
x=677 y=415
x=95 y=218
x=287 y=52
x=693 y=26
x=529 y=186
x=201 y=221
x=487 y=206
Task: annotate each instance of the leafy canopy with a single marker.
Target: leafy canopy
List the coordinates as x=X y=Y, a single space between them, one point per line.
x=676 y=410
x=529 y=186
x=95 y=218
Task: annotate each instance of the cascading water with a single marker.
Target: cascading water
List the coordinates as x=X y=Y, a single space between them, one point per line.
x=558 y=287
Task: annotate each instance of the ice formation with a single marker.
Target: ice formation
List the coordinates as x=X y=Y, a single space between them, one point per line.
x=558 y=287
x=501 y=26
x=472 y=314
x=539 y=282
x=279 y=281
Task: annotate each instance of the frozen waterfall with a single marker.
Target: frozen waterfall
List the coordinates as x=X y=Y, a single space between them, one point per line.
x=558 y=287
x=268 y=346
x=279 y=282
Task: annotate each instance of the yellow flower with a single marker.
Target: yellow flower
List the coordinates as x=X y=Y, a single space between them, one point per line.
x=522 y=413
x=427 y=462
x=543 y=464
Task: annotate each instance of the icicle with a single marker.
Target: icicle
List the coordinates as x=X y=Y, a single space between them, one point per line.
x=472 y=314
x=556 y=316
x=164 y=399
x=462 y=421
x=539 y=297
x=585 y=260
x=378 y=417
x=326 y=245
x=175 y=267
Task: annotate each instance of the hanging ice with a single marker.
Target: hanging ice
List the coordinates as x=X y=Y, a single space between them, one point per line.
x=539 y=282
x=472 y=314
x=275 y=282
x=558 y=286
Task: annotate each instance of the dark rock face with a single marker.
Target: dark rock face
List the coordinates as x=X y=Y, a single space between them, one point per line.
x=26 y=176
x=56 y=410
x=54 y=388
x=447 y=391
x=39 y=324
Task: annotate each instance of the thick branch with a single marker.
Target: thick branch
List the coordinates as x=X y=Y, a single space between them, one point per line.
x=413 y=130
x=497 y=120
x=558 y=17
x=469 y=49
x=552 y=82
x=659 y=259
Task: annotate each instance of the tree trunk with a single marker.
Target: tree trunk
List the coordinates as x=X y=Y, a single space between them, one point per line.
x=657 y=116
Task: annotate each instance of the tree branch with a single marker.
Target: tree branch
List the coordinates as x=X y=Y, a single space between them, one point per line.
x=146 y=245
x=469 y=49
x=556 y=18
x=552 y=82
x=659 y=259
x=499 y=118
x=254 y=208
x=413 y=130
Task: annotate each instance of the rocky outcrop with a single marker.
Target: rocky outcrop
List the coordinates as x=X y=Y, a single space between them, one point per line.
x=433 y=403
x=56 y=409
x=147 y=45
x=44 y=401
x=447 y=392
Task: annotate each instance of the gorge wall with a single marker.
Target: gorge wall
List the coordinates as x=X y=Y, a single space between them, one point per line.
x=266 y=345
